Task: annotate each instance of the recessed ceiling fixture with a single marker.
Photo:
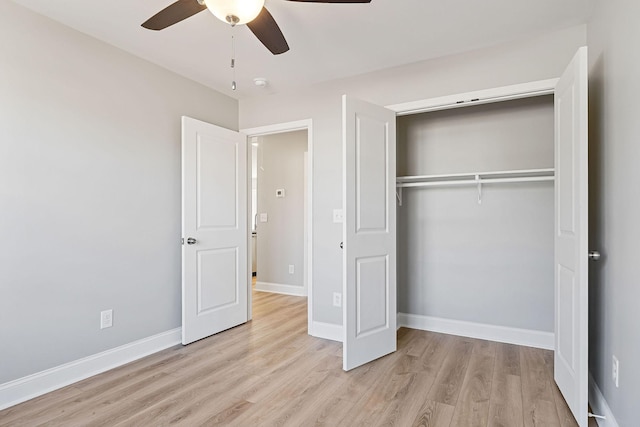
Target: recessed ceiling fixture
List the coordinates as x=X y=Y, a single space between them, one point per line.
x=235 y=12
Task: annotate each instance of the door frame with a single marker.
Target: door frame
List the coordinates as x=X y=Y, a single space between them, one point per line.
x=306 y=124
x=478 y=97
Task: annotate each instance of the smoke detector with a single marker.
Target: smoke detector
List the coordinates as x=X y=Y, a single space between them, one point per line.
x=260 y=82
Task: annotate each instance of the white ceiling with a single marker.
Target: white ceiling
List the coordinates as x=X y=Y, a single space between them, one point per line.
x=327 y=41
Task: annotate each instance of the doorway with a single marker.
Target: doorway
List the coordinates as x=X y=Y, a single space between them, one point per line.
x=278 y=152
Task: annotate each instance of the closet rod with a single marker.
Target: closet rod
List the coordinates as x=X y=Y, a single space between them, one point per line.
x=473 y=181
x=483 y=175
x=477 y=181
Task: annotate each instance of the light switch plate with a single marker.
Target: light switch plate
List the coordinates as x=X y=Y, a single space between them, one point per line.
x=337 y=216
x=337 y=299
x=264 y=217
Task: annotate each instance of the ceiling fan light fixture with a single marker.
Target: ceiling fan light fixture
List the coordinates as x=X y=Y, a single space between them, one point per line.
x=235 y=12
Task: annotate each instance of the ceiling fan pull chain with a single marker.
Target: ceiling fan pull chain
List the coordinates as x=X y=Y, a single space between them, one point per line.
x=233 y=61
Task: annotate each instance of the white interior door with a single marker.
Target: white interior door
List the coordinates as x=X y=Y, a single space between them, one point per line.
x=369 y=232
x=571 y=237
x=214 y=228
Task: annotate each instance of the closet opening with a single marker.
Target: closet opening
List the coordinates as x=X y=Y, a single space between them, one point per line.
x=475 y=217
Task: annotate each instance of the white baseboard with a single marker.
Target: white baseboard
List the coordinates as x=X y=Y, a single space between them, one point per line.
x=599 y=405
x=328 y=331
x=483 y=331
x=23 y=389
x=278 y=288
x=517 y=336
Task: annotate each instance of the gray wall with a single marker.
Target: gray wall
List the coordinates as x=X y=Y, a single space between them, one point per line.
x=614 y=141
x=280 y=161
x=89 y=192
x=491 y=262
x=536 y=58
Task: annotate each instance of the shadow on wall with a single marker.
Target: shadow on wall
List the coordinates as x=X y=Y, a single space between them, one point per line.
x=596 y=211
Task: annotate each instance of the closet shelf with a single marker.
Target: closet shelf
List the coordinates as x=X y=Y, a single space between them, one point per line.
x=478 y=179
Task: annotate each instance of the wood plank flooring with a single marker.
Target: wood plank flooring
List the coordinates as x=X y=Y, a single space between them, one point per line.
x=269 y=372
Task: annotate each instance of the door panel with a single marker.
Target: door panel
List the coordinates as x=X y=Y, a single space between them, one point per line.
x=372 y=286
x=214 y=213
x=371 y=174
x=217 y=163
x=216 y=269
x=369 y=288
x=571 y=237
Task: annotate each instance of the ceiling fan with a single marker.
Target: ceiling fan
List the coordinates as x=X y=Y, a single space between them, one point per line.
x=234 y=12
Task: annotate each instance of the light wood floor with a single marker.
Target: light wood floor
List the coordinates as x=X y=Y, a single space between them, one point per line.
x=270 y=372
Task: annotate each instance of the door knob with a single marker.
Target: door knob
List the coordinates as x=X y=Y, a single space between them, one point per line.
x=341 y=245
x=594 y=255
x=191 y=241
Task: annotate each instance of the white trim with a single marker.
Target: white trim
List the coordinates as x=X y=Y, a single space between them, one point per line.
x=277 y=128
x=289 y=127
x=327 y=331
x=485 y=96
x=483 y=331
x=250 y=229
x=278 y=288
x=25 y=388
x=599 y=405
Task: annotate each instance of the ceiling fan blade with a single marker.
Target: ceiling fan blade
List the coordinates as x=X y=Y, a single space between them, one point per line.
x=333 y=1
x=172 y=14
x=267 y=31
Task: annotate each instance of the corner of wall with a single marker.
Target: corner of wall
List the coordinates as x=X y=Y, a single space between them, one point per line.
x=599 y=405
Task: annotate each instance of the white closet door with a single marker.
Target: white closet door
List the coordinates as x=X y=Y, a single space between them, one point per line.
x=369 y=263
x=214 y=225
x=571 y=237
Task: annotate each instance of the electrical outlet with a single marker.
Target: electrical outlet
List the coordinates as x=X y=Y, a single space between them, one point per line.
x=106 y=319
x=291 y=269
x=337 y=299
x=615 y=371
